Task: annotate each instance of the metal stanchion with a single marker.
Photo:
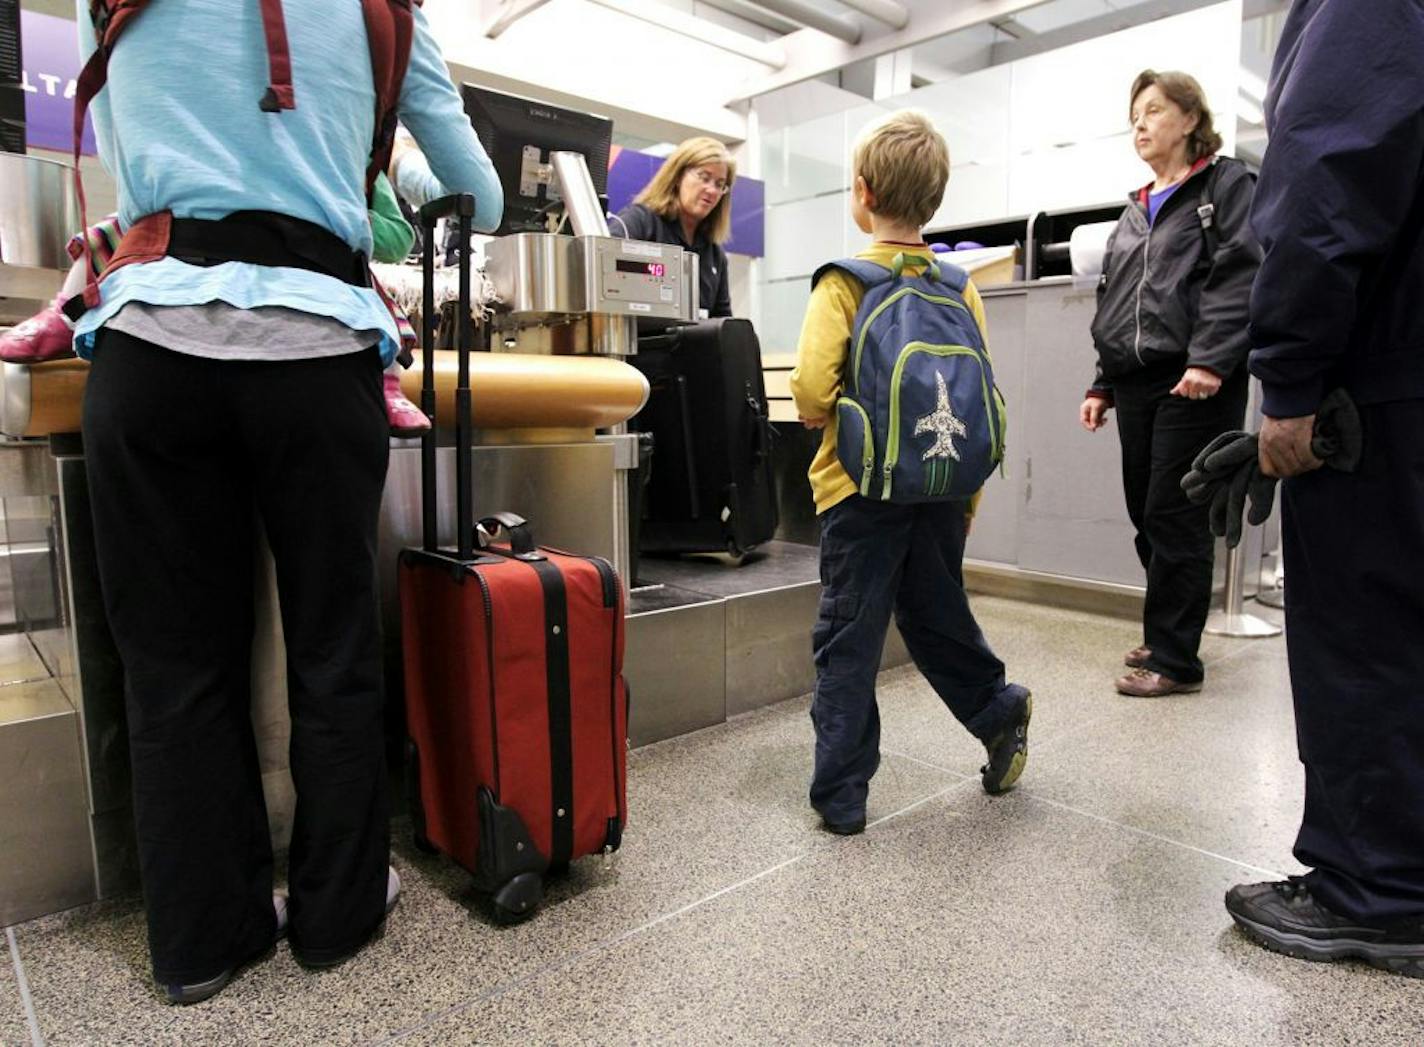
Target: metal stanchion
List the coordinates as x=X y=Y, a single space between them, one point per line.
x=1275 y=596
x=1231 y=620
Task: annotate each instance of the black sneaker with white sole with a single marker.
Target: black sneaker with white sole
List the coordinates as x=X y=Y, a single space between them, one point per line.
x=1008 y=751
x=1283 y=916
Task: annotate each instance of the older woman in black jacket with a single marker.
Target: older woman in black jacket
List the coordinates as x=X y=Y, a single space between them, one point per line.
x=1171 y=337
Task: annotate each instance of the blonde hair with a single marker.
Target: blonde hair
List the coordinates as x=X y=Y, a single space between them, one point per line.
x=905 y=162
x=661 y=194
x=1183 y=91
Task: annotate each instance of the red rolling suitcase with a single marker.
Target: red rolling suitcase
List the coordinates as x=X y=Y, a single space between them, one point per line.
x=515 y=702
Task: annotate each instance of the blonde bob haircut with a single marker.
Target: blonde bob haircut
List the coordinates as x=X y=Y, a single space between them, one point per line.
x=661 y=194
x=905 y=162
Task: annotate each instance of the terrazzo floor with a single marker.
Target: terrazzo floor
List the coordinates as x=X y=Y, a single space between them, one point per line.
x=1084 y=908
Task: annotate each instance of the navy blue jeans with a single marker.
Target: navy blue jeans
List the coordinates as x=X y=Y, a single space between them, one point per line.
x=876 y=558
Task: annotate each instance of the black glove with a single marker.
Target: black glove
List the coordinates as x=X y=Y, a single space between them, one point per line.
x=1229 y=503
x=1227 y=472
x=1338 y=438
x=1217 y=463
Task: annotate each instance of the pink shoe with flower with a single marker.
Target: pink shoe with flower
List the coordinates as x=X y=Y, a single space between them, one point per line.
x=404 y=417
x=44 y=336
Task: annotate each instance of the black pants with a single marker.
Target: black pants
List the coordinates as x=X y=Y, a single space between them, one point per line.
x=184 y=456
x=1355 y=635
x=878 y=558
x=1161 y=434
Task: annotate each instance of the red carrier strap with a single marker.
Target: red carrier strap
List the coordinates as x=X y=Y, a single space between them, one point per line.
x=390 y=29
x=280 y=93
x=110 y=18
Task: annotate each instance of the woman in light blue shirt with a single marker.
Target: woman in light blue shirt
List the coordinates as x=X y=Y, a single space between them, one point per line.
x=231 y=395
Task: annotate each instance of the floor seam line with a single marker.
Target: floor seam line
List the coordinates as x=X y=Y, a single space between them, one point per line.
x=1154 y=836
x=611 y=942
x=31 y=1018
x=920 y=802
x=614 y=941
x=926 y=763
x=1246 y=646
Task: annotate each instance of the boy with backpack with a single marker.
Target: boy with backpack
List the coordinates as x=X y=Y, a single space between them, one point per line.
x=892 y=365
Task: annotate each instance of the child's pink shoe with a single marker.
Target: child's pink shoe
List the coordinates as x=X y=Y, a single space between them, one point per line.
x=405 y=418
x=44 y=336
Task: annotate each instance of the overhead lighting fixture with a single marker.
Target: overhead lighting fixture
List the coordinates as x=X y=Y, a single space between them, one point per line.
x=772 y=55
x=893 y=13
x=510 y=12
x=813 y=17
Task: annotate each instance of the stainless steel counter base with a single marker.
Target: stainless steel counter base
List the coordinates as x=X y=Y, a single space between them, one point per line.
x=709 y=640
x=44 y=833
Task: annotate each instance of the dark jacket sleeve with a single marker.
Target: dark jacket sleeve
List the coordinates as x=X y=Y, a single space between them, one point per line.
x=722 y=304
x=1101 y=387
x=1346 y=121
x=1220 y=340
x=635 y=222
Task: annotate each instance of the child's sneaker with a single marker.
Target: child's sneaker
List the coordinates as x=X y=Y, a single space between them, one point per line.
x=44 y=336
x=853 y=827
x=1008 y=752
x=404 y=417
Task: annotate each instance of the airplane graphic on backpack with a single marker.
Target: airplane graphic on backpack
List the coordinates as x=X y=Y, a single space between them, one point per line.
x=920 y=418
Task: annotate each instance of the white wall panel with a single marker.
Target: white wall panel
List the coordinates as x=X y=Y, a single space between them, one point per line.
x=805 y=234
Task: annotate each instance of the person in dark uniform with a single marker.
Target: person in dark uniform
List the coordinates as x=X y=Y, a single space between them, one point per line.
x=1170 y=332
x=689 y=203
x=1339 y=302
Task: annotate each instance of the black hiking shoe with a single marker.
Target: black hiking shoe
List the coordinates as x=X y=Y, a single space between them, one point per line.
x=1282 y=916
x=851 y=828
x=1008 y=752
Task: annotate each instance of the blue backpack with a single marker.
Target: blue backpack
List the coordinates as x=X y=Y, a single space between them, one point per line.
x=920 y=418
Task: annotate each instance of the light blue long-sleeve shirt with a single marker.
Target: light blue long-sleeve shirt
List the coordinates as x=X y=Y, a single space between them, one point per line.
x=179 y=128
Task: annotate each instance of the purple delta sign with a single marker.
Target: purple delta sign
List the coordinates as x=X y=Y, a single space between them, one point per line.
x=49 y=49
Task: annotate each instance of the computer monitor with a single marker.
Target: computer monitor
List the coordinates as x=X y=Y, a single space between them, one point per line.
x=520 y=133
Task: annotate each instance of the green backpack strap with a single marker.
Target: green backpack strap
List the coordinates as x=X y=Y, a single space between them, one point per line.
x=898 y=263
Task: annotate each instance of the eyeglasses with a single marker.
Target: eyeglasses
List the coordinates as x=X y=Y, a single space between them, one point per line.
x=720 y=184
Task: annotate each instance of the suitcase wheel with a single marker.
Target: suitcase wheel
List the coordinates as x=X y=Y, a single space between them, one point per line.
x=517 y=899
x=412 y=799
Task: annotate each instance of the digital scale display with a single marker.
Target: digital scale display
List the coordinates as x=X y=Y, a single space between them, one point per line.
x=654 y=269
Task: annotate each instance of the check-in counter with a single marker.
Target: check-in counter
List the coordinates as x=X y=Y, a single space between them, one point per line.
x=64 y=760
x=1057 y=509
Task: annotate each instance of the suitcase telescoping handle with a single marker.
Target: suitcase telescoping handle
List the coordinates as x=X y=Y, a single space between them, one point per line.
x=462 y=207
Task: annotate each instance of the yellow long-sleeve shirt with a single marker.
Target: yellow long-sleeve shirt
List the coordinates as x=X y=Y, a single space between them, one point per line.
x=821 y=354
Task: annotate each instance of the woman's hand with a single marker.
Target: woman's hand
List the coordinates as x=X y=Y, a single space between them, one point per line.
x=1093 y=413
x=813 y=423
x=1197 y=384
